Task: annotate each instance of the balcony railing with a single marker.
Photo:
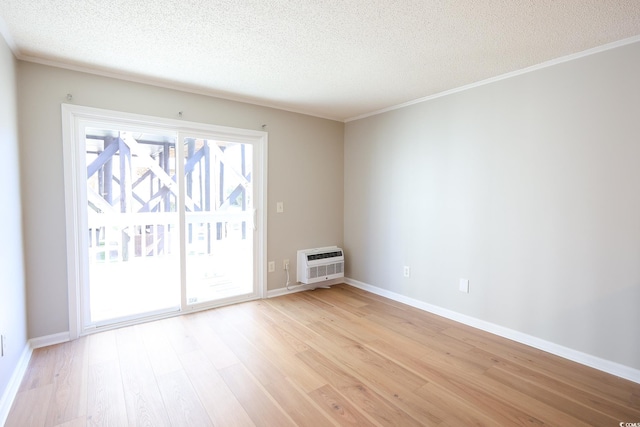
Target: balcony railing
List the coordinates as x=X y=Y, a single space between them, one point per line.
x=117 y=237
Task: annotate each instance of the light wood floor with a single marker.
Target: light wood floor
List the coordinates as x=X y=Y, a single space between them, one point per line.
x=339 y=356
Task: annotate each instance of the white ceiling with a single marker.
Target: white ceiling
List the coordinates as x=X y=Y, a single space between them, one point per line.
x=338 y=59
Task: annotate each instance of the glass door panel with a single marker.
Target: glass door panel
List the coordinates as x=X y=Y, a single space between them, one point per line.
x=133 y=247
x=219 y=231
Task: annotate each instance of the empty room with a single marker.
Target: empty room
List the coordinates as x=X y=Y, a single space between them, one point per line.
x=319 y=213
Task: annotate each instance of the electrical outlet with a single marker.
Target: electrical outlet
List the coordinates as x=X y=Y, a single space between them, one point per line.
x=272 y=266
x=285 y=264
x=407 y=271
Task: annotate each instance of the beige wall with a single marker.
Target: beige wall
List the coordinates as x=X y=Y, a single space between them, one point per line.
x=529 y=187
x=13 y=320
x=305 y=172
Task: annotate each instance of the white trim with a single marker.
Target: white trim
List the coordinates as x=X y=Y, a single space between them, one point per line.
x=48 y=340
x=263 y=103
x=604 y=365
x=302 y=287
x=261 y=217
x=146 y=80
x=284 y=291
x=160 y=316
x=505 y=76
x=11 y=391
x=70 y=161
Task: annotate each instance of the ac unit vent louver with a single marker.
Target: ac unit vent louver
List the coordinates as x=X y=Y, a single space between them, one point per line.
x=320 y=264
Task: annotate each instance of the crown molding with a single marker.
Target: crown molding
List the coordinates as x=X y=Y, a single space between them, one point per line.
x=505 y=76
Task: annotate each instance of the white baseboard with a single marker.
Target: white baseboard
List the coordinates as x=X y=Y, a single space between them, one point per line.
x=604 y=365
x=302 y=287
x=11 y=391
x=48 y=340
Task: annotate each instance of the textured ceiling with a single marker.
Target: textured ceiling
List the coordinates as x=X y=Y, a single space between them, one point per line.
x=331 y=58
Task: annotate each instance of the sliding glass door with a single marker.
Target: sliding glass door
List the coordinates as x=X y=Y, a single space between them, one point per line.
x=163 y=216
x=218 y=226
x=133 y=244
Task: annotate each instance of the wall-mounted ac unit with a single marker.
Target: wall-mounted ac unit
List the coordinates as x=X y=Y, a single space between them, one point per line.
x=320 y=264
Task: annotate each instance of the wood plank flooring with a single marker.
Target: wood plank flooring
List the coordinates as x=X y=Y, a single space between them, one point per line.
x=329 y=357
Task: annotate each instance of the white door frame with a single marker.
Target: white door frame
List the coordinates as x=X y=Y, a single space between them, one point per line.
x=73 y=118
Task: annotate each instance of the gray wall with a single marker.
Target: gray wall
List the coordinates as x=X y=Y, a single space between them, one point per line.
x=13 y=320
x=305 y=172
x=529 y=187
